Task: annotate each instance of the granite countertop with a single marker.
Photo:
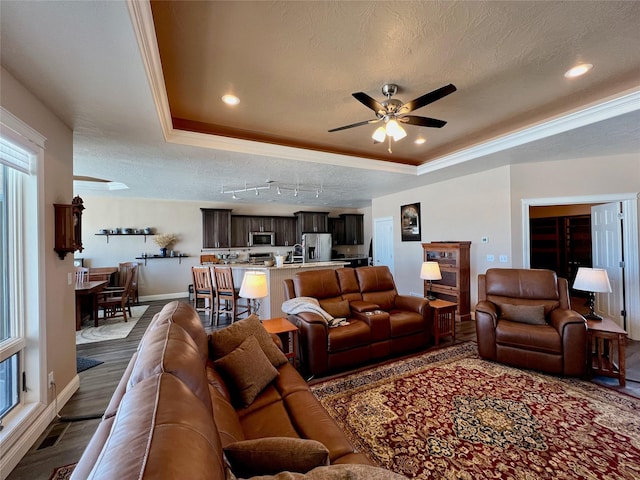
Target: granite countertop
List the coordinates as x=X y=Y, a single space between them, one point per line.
x=333 y=263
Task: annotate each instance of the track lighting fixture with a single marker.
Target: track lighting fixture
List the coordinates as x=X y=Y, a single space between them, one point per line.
x=296 y=188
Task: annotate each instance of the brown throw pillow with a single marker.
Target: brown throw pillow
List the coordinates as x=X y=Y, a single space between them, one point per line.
x=337 y=309
x=224 y=341
x=248 y=369
x=531 y=314
x=270 y=455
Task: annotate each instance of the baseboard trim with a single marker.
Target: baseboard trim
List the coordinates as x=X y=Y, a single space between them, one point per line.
x=32 y=432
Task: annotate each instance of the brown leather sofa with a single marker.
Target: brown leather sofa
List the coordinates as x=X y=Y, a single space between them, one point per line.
x=173 y=412
x=524 y=318
x=381 y=322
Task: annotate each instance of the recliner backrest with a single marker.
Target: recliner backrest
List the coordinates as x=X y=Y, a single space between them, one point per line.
x=377 y=286
x=318 y=284
x=348 y=284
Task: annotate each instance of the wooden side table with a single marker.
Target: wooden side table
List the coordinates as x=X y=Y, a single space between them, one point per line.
x=606 y=340
x=444 y=319
x=282 y=326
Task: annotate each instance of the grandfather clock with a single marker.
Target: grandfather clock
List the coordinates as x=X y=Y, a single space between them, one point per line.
x=68 y=227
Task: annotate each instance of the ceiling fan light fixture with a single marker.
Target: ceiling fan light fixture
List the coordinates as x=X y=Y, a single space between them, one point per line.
x=379 y=135
x=399 y=134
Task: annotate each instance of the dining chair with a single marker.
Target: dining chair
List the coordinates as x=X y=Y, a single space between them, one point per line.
x=116 y=301
x=123 y=269
x=203 y=287
x=82 y=274
x=228 y=295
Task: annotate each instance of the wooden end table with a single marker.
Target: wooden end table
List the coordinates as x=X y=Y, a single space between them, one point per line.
x=444 y=319
x=605 y=340
x=281 y=326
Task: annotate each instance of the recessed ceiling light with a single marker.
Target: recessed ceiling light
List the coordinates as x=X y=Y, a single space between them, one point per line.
x=230 y=99
x=578 y=70
x=419 y=141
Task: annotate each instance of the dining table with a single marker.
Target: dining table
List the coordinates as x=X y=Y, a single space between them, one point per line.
x=87 y=293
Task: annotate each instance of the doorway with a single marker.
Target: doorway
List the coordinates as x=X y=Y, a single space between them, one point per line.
x=383 y=242
x=629 y=217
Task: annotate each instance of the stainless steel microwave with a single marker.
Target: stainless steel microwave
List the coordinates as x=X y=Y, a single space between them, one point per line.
x=262 y=238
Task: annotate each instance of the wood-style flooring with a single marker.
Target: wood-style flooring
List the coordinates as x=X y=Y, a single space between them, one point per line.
x=98 y=384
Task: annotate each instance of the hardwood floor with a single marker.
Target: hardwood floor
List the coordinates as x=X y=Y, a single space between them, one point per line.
x=98 y=383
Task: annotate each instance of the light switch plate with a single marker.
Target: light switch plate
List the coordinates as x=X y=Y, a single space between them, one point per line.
x=503 y=259
x=490 y=258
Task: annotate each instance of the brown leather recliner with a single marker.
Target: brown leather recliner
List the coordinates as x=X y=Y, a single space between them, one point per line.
x=524 y=319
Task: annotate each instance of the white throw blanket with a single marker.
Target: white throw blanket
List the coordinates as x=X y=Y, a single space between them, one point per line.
x=310 y=304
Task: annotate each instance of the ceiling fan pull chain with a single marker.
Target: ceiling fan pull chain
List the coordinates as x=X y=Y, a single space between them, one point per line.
x=389 y=149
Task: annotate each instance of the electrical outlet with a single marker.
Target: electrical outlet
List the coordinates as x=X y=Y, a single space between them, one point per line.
x=490 y=258
x=503 y=259
x=52 y=379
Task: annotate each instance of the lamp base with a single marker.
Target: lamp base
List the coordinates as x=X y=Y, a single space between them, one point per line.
x=431 y=296
x=593 y=316
x=591 y=302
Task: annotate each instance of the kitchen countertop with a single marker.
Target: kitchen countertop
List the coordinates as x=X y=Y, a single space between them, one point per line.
x=257 y=266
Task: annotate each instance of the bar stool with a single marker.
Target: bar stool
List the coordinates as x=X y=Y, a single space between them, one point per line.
x=228 y=294
x=203 y=287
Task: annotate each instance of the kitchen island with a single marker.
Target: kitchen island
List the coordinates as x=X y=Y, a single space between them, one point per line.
x=270 y=306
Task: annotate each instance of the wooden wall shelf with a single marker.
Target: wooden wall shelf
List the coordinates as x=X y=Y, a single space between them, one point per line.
x=124 y=235
x=160 y=257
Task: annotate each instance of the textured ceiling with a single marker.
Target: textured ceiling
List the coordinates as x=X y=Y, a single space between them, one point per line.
x=294 y=66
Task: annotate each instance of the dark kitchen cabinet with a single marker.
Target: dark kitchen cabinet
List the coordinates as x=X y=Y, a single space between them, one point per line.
x=261 y=224
x=216 y=228
x=285 y=228
x=312 y=222
x=336 y=227
x=353 y=228
x=240 y=228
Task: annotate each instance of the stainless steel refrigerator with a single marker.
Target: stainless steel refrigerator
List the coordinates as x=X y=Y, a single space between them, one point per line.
x=316 y=247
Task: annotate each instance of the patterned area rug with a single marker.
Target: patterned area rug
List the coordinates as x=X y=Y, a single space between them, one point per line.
x=63 y=473
x=111 y=328
x=448 y=414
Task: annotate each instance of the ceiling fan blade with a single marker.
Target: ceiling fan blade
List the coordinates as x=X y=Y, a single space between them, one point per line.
x=367 y=101
x=355 y=125
x=428 y=98
x=423 y=121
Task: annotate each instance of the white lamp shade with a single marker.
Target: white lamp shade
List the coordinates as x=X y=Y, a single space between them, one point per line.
x=430 y=271
x=592 y=280
x=379 y=135
x=254 y=285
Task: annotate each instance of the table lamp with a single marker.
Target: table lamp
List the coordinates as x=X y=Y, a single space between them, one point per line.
x=592 y=280
x=254 y=287
x=430 y=271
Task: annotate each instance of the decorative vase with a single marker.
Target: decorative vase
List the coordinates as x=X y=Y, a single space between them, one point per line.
x=163 y=251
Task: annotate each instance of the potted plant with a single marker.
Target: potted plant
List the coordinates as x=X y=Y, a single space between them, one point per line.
x=164 y=241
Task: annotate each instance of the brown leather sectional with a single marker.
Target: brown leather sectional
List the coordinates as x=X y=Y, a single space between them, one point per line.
x=172 y=412
x=381 y=322
x=509 y=331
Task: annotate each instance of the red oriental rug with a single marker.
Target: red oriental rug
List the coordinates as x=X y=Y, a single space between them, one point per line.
x=449 y=414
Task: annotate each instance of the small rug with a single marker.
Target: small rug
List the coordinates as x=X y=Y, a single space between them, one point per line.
x=111 y=328
x=84 y=363
x=63 y=473
x=449 y=414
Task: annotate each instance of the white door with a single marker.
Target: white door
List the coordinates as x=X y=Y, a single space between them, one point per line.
x=606 y=238
x=383 y=242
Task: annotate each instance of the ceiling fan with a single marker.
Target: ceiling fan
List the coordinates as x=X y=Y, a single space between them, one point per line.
x=393 y=112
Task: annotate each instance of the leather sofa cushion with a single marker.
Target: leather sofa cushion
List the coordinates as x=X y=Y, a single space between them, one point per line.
x=318 y=284
x=522 y=283
x=225 y=340
x=541 y=338
x=406 y=323
x=385 y=299
x=184 y=315
x=531 y=314
x=272 y=419
x=355 y=334
x=169 y=348
x=268 y=456
x=248 y=369
x=161 y=430
x=375 y=279
x=348 y=282
x=548 y=304
x=337 y=309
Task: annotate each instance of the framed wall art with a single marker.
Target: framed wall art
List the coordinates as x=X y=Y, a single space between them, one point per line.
x=410 y=222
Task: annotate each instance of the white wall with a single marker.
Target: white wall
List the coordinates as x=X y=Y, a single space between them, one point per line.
x=463 y=209
x=166 y=278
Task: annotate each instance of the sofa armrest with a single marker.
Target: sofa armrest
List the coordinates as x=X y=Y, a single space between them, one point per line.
x=572 y=328
x=360 y=306
x=486 y=321
x=412 y=304
x=378 y=321
x=313 y=341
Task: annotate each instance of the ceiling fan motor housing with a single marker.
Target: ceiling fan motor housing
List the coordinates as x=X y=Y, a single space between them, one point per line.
x=389 y=89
